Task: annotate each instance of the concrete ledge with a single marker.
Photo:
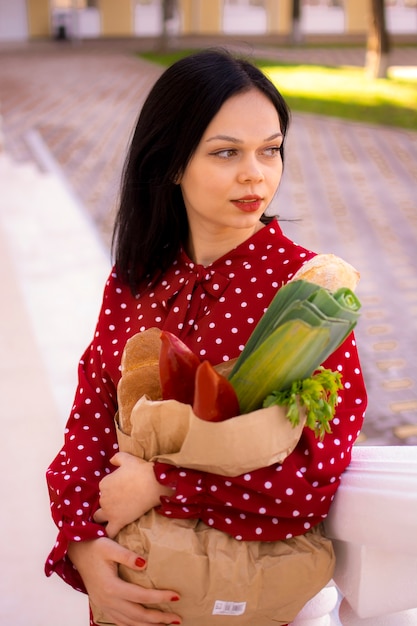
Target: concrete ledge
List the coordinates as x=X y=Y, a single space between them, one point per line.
x=52 y=273
x=60 y=266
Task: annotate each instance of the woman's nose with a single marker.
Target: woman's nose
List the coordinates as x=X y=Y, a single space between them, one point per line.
x=250 y=171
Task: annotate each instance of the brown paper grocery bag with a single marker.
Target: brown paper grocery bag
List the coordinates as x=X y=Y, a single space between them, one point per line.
x=222 y=581
x=168 y=431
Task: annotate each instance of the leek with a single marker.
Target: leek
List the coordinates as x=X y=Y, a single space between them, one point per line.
x=303 y=325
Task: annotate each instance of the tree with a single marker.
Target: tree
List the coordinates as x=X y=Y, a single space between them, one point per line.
x=378 y=43
x=169 y=8
x=296 y=34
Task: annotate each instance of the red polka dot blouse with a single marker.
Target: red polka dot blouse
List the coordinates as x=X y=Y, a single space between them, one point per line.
x=213 y=310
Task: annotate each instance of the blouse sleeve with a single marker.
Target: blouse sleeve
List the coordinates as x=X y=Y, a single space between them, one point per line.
x=282 y=500
x=74 y=475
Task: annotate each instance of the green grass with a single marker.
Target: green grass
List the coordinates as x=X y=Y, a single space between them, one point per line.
x=347 y=93
x=343 y=92
x=165 y=58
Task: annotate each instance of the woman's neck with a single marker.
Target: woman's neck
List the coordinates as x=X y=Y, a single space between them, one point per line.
x=206 y=249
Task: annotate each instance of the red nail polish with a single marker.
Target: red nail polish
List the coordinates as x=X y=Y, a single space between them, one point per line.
x=175 y=622
x=140 y=562
x=175 y=598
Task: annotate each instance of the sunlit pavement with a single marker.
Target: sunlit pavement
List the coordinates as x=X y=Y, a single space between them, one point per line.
x=67 y=112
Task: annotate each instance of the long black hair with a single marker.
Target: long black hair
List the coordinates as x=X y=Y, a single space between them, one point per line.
x=151 y=223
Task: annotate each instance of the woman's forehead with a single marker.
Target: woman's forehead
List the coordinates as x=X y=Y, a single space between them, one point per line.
x=245 y=113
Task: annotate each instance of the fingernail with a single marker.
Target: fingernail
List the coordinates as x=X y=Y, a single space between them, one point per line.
x=175 y=622
x=140 y=562
x=175 y=599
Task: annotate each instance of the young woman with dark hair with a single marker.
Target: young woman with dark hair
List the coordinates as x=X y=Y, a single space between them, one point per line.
x=171 y=123
x=196 y=255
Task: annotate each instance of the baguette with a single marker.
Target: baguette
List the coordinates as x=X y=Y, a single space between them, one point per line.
x=328 y=271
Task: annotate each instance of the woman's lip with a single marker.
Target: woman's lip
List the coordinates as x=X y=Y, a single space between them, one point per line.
x=248 y=204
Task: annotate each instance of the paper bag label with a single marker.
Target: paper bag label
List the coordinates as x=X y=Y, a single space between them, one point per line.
x=222 y=607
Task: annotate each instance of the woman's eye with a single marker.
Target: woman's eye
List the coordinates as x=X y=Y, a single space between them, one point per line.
x=272 y=150
x=228 y=153
x=225 y=154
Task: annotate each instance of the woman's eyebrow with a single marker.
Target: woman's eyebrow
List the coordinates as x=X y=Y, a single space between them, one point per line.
x=235 y=140
x=224 y=138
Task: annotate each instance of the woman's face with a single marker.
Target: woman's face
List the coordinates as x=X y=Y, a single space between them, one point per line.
x=235 y=170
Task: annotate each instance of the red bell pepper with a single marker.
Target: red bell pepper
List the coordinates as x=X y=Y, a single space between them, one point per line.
x=215 y=399
x=177 y=369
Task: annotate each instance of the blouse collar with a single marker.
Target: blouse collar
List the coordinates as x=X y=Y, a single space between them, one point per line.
x=185 y=275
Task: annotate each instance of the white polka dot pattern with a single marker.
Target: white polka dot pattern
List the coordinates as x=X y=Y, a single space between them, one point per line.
x=213 y=310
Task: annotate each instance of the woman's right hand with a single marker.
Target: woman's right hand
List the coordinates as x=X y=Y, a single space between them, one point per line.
x=120 y=601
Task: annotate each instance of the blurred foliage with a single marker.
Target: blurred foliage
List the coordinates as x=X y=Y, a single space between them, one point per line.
x=344 y=92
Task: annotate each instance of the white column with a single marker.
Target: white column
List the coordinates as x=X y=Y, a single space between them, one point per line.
x=350 y=618
x=373 y=523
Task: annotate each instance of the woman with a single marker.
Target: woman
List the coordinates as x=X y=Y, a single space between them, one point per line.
x=195 y=255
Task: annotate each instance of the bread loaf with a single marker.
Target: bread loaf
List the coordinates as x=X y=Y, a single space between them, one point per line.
x=140 y=373
x=328 y=271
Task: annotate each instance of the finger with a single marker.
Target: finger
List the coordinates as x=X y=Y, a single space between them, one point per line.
x=143 y=616
x=143 y=595
x=116 y=459
x=120 y=458
x=131 y=614
x=112 y=528
x=153 y=616
x=136 y=594
x=119 y=554
x=100 y=517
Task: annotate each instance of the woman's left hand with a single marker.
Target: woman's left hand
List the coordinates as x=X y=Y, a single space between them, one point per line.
x=128 y=493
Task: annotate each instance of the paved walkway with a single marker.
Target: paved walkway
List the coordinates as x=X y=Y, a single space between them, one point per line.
x=67 y=113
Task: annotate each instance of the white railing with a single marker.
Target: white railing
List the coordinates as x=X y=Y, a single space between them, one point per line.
x=373 y=523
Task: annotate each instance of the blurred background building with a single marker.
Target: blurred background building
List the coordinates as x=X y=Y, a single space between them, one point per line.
x=22 y=20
